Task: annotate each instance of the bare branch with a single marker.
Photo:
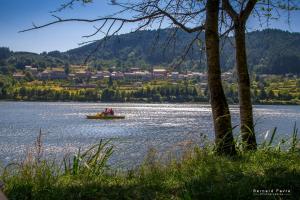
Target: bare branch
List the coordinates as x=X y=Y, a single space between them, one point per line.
x=59 y=20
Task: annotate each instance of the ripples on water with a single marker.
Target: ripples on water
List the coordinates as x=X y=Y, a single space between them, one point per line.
x=164 y=127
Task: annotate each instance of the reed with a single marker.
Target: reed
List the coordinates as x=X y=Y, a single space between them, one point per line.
x=93 y=161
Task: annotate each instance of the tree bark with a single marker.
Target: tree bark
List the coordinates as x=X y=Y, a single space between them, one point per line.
x=220 y=110
x=246 y=111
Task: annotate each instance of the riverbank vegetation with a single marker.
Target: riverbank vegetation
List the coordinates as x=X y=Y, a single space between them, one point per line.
x=268 y=90
x=273 y=171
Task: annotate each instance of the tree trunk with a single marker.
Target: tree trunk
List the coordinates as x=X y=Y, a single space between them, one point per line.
x=246 y=113
x=221 y=115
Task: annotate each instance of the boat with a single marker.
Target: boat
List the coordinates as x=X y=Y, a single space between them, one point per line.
x=103 y=116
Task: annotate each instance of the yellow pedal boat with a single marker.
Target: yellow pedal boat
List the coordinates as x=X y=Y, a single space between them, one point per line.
x=102 y=116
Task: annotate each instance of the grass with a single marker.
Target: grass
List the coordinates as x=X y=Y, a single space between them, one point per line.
x=198 y=174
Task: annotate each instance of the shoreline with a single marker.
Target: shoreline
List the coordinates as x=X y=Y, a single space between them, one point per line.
x=145 y=102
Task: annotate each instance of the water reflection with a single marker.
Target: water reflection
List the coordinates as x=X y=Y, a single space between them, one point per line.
x=162 y=126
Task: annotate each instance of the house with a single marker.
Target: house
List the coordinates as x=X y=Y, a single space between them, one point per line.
x=201 y=76
x=181 y=76
x=18 y=76
x=117 y=75
x=189 y=75
x=27 y=67
x=138 y=76
x=83 y=74
x=45 y=75
x=102 y=74
x=174 y=75
x=94 y=77
x=226 y=75
x=71 y=76
x=159 y=73
x=32 y=70
x=57 y=73
x=197 y=75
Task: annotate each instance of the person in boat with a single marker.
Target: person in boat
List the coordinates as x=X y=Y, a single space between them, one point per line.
x=108 y=111
x=105 y=112
x=111 y=111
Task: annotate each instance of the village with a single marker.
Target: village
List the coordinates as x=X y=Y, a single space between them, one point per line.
x=133 y=74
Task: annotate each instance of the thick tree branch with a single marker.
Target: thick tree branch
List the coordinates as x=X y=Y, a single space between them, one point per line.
x=229 y=9
x=247 y=11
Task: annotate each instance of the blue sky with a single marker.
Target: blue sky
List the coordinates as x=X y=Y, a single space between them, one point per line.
x=16 y=15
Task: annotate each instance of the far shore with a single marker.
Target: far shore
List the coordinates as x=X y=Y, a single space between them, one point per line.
x=147 y=102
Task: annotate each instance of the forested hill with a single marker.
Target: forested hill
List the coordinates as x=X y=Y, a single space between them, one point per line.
x=274 y=51
x=269 y=51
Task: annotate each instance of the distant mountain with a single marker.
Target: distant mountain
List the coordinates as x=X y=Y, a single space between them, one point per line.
x=269 y=51
x=141 y=49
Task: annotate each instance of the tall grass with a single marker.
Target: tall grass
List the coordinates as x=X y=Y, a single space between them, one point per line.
x=198 y=174
x=93 y=161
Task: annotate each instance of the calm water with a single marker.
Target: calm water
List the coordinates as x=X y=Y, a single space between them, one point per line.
x=164 y=127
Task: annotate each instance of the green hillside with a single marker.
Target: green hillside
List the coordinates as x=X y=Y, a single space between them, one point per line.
x=269 y=51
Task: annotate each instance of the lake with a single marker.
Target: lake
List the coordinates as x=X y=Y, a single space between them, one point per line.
x=164 y=127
